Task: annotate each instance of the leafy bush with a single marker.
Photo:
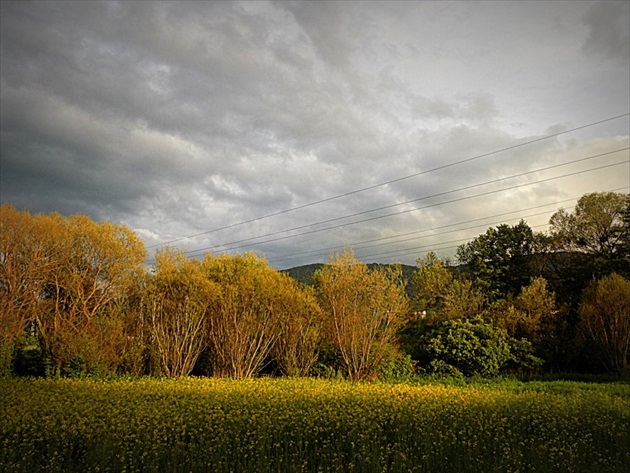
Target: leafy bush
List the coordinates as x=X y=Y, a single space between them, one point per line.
x=473 y=347
x=397 y=368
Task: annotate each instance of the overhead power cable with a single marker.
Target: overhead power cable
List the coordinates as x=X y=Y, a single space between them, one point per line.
x=364 y=212
x=438 y=245
x=374 y=186
x=200 y=251
x=413 y=250
x=362 y=245
x=251 y=242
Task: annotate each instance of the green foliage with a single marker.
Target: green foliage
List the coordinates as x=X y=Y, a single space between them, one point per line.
x=473 y=347
x=444 y=369
x=598 y=226
x=498 y=260
x=398 y=367
x=6 y=358
x=29 y=357
x=303 y=274
x=410 y=336
x=522 y=358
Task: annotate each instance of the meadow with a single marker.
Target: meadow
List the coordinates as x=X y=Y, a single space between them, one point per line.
x=311 y=425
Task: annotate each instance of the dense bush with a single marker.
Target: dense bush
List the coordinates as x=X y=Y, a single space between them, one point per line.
x=473 y=347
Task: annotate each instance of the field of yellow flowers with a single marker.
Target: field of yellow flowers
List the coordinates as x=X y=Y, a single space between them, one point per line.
x=310 y=425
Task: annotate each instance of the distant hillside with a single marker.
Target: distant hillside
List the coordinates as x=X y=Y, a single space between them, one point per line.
x=304 y=274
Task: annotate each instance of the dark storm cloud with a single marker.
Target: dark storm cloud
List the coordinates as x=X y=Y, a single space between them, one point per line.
x=608 y=31
x=181 y=117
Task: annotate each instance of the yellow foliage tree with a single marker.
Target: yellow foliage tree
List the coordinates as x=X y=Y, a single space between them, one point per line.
x=529 y=314
x=605 y=320
x=299 y=320
x=243 y=321
x=66 y=277
x=431 y=282
x=27 y=260
x=438 y=292
x=177 y=299
x=96 y=264
x=363 y=311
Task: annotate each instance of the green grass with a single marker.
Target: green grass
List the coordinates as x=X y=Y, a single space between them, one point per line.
x=312 y=425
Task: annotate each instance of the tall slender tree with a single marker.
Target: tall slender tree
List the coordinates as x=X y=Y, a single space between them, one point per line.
x=363 y=311
x=299 y=320
x=177 y=301
x=605 y=320
x=243 y=321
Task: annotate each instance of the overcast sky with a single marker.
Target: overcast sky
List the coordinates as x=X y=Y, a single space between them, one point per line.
x=179 y=119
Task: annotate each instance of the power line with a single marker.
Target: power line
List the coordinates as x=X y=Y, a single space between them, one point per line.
x=353 y=244
x=408 y=251
x=357 y=245
x=315 y=252
x=407 y=202
x=364 y=212
x=374 y=186
x=409 y=210
x=200 y=251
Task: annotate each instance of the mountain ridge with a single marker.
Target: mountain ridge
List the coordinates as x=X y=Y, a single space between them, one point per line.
x=304 y=273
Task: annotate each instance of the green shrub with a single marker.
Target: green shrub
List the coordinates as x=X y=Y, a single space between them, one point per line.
x=397 y=368
x=473 y=347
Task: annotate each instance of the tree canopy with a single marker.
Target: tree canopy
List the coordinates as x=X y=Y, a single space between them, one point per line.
x=498 y=261
x=363 y=311
x=77 y=298
x=598 y=226
x=605 y=320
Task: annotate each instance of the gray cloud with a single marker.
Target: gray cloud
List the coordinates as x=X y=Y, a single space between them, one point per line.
x=178 y=118
x=608 y=30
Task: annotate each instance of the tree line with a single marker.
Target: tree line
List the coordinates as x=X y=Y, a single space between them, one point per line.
x=76 y=299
